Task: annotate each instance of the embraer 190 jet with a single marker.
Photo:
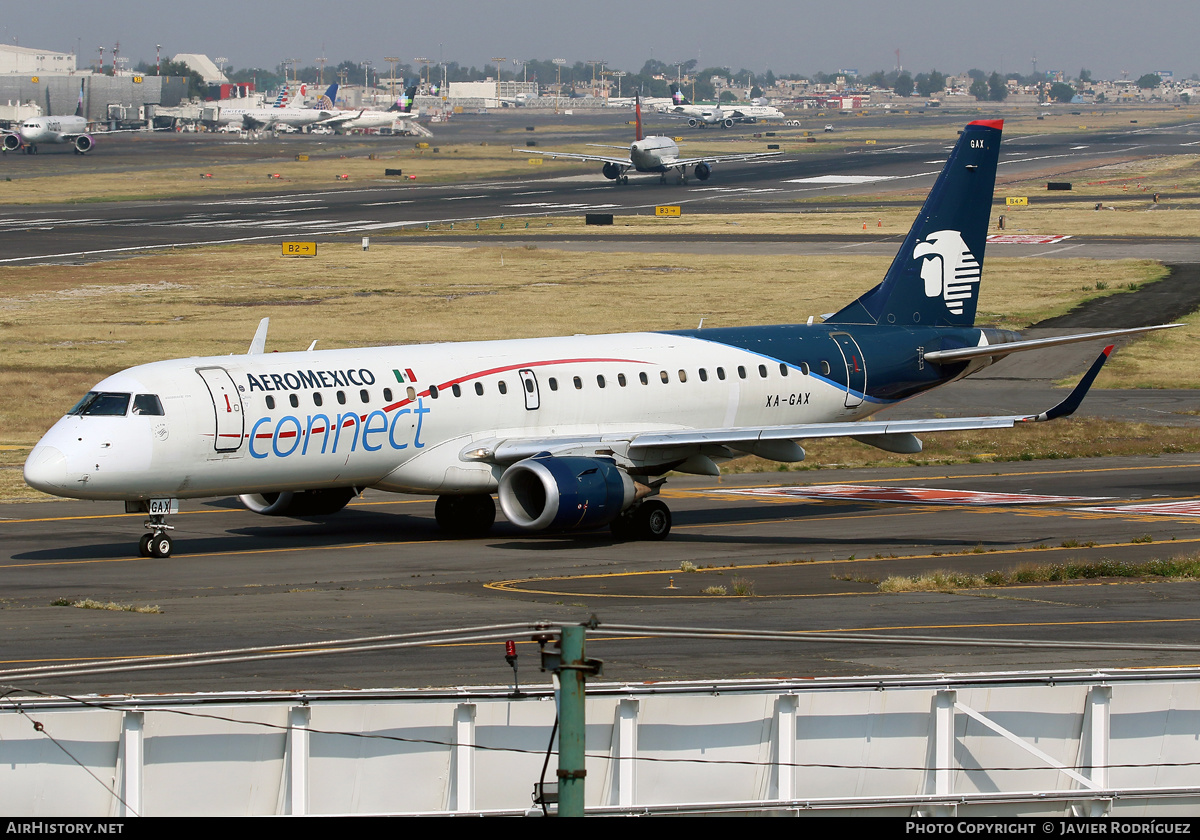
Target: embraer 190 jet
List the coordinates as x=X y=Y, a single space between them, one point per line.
x=570 y=433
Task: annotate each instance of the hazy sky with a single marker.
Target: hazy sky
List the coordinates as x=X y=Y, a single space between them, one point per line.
x=1108 y=37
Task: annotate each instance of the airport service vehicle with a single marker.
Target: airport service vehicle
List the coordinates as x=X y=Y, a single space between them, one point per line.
x=650 y=153
x=570 y=433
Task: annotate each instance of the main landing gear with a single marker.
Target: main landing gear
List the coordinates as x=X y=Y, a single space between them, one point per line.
x=651 y=520
x=462 y=515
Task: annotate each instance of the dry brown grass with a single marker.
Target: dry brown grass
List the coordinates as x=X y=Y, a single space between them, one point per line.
x=66 y=327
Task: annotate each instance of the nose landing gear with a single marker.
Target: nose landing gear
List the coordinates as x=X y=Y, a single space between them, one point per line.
x=158 y=542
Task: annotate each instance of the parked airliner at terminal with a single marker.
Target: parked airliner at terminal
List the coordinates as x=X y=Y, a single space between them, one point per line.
x=570 y=433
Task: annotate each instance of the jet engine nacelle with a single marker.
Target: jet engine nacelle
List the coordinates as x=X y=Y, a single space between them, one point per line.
x=728 y=123
x=547 y=492
x=11 y=142
x=84 y=143
x=693 y=122
x=299 y=502
x=611 y=171
x=703 y=170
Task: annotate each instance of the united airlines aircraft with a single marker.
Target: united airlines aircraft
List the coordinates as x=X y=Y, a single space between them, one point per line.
x=569 y=433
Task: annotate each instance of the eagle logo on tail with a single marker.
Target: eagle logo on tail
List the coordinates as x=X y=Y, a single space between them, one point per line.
x=948 y=267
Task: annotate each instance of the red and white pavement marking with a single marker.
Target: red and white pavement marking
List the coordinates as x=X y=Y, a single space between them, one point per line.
x=910 y=495
x=1191 y=508
x=1023 y=239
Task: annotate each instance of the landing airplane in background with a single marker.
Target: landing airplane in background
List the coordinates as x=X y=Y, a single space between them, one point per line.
x=283 y=113
x=571 y=433
x=401 y=111
x=651 y=153
x=38 y=130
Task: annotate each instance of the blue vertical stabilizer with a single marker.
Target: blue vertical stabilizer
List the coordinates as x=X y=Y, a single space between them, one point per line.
x=934 y=279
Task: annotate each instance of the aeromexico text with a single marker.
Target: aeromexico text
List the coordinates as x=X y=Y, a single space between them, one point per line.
x=310 y=379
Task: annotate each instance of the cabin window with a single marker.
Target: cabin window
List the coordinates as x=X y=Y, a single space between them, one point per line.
x=341 y=397
x=479 y=388
x=102 y=404
x=783 y=369
x=364 y=395
x=683 y=376
x=412 y=393
x=552 y=382
x=804 y=368
x=387 y=394
x=578 y=383
x=503 y=386
x=703 y=375
x=317 y=398
x=741 y=372
x=456 y=390
x=664 y=376
x=762 y=371
x=824 y=368
x=600 y=379
x=294 y=400
x=433 y=392
x=721 y=373
x=147 y=404
x=270 y=401
x=621 y=379
x=644 y=379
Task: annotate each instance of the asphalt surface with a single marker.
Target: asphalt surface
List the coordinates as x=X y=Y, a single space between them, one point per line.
x=801 y=564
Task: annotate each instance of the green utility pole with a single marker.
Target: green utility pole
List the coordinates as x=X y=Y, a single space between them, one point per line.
x=571 y=723
x=572 y=667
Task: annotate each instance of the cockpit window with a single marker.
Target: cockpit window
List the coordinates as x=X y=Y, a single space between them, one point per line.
x=147 y=404
x=103 y=404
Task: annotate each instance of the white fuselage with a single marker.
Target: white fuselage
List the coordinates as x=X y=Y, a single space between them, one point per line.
x=401 y=418
x=653 y=154
x=51 y=129
x=267 y=117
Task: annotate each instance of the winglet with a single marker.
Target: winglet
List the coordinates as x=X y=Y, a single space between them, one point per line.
x=1067 y=407
x=259 y=343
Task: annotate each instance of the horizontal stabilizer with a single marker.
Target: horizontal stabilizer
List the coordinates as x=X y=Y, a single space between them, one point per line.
x=997 y=350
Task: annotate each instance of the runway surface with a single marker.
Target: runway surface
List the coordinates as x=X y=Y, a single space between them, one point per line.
x=810 y=556
x=54 y=233
x=801 y=562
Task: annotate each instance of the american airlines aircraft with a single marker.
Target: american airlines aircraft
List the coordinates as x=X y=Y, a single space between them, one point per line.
x=651 y=154
x=283 y=113
x=570 y=433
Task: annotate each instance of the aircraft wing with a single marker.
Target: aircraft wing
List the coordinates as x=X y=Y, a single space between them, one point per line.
x=769 y=441
x=722 y=158
x=340 y=118
x=618 y=161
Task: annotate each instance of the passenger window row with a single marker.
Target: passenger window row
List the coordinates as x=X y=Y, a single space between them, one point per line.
x=318 y=399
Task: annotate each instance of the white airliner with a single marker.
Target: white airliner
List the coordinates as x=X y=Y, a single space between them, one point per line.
x=365 y=118
x=570 y=433
x=39 y=130
x=283 y=113
x=652 y=153
x=702 y=116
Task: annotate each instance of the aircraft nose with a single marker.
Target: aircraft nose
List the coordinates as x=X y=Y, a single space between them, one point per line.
x=46 y=469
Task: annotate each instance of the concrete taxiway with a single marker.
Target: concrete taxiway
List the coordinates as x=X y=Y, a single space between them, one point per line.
x=788 y=552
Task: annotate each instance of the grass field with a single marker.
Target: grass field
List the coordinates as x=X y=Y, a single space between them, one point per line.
x=68 y=326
